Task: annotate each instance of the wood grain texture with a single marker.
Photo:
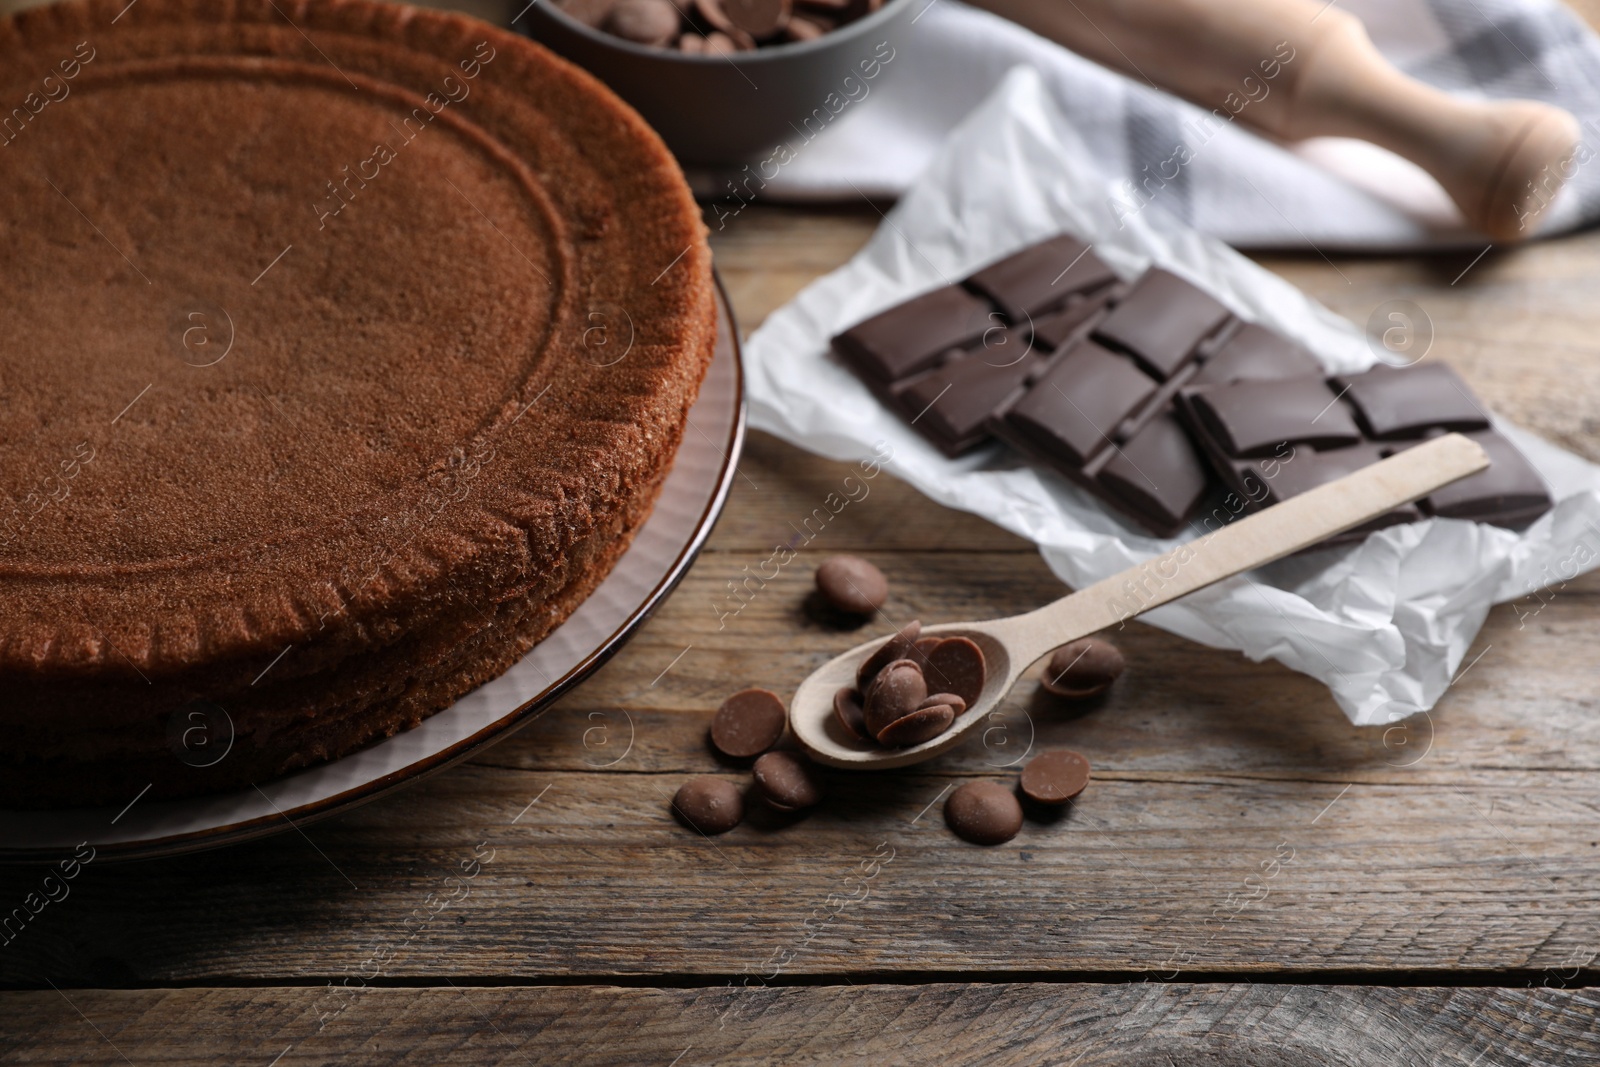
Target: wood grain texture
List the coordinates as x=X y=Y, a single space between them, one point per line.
x=994 y=1025
x=1237 y=825
x=1465 y=840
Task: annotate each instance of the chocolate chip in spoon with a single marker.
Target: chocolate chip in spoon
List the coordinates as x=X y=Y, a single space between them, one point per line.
x=956 y=666
x=913 y=728
x=897 y=647
x=896 y=692
x=847 y=706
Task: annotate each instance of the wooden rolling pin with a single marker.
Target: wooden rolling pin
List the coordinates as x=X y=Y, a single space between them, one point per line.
x=1302 y=68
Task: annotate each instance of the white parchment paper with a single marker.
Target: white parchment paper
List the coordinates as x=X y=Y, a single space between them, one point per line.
x=1385 y=625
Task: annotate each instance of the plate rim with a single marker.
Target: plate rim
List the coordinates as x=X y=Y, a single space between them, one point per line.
x=375 y=789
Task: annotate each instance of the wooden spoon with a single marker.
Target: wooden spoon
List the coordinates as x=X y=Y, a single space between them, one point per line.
x=1011 y=646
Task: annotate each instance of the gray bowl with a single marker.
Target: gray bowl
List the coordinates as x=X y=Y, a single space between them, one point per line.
x=714 y=110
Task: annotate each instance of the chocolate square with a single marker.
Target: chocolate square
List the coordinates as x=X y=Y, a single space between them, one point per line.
x=1041 y=276
x=1509 y=493
x=1252 y=418
x=1054 y=329
x=951 y=405
x=1255 y=353
x=910 y=337
x=1399 y=402
x=1157 y=474
x=1161 y=321
x=1075 y=407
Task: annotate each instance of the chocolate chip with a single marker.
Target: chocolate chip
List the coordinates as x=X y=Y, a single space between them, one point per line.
x=923 y=724
x=984 y=813
x=714 y=13
x=1055 y=777
x=644 y=21
x=956 y=703
x=759 y=18
x=589 y=12
x=710 y=805
x=801 y=28
x=1082 y=668
x=852 y=585
x=786 y=781
x=748 y=723
x=727 y=44
x=956 y=666
x=896 y=692
x=852 y=716
x=718 y=27
x=897 y=647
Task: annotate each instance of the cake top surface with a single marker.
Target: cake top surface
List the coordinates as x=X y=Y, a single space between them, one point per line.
x=325 y=316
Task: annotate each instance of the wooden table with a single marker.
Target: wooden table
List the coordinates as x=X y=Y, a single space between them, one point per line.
x=1249 y=879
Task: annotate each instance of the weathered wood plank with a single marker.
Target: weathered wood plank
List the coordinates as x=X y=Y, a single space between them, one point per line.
x=1160 y=875
x=783 y=498
x=767 y=254
x=993 y=1025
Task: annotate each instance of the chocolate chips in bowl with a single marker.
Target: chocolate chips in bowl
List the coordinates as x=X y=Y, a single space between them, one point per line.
x=718 y=27
x=732 y=82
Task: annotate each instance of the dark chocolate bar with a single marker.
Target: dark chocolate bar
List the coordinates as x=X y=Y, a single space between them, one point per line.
x=1144 y=393
x=1271 y=440
x=912 y=336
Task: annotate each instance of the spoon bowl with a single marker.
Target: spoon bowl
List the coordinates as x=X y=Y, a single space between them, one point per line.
x=1010 y=646
x=825 y=737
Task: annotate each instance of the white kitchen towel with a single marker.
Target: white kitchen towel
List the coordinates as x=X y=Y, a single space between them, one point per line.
x=1385 y=624
x=1327 y=193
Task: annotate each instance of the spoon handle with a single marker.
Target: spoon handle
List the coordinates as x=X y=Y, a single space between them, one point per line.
x=1271 y=534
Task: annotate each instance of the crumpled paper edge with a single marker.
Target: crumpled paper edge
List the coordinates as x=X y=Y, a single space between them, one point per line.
x=1384 y=624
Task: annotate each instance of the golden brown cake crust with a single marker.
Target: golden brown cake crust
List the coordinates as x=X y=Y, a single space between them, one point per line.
x=332 y=324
